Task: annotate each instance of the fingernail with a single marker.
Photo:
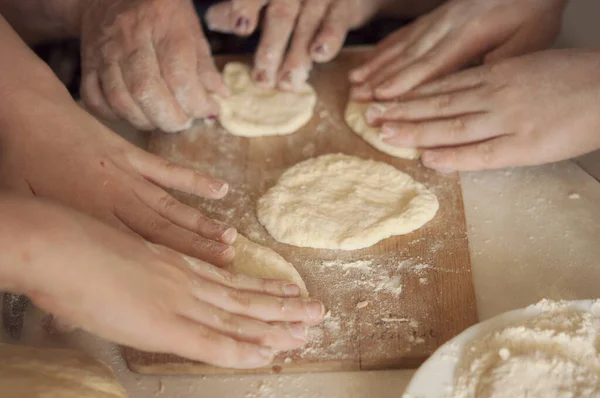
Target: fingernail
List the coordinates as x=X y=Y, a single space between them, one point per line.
x=315 y=310
x=242 y=24
x=219 y=187
x=228 y=254
x=431 y=159
x=266 y=353
x=387 y=132
x=320 y=50
x=356 y=76
x=298 y=331
x=229 y=236
x=291 y=290
x=212 y=117
x=373 y=114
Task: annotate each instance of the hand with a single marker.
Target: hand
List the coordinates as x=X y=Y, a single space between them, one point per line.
x=50 y=147
x=529 y=110
x=148 y=62
x=453 y=36
x=146 y=296
x=319 y=29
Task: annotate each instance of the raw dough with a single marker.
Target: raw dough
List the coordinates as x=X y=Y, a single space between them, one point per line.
x=262 y=262
x=355 y=118
x=344 y=202
x=255 y=111
x=27 y=372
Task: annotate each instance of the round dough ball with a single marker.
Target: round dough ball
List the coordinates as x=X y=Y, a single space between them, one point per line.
x=343 y=202
x=255 y=111
x=355 y=118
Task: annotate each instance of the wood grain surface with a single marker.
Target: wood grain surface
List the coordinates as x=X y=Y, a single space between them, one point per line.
x=415 y=291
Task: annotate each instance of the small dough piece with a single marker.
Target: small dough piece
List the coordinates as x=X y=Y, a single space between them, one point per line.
x=262 y=262
x=255 y=111
x=27 y=372
x=355 y=118
x=343 y=202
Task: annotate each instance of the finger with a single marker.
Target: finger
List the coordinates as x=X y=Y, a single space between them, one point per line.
x=449 y=55
x=260 y=306
x=116 y=93
x=390 y=48
x=418 y=42
x=332 y=34
x=279 y=23
x=467 y=79
x=245 y=14
x=219 y=17
x=432 y=107
x=150 y=92
x=173 y=176
x=432 y=134
x=155 y=228
x=207 y=72
x=92 y=96
x=240 y=281
x=519 y=43
x=192 y=340
x=298 y=61
x=491 y=154
x=178 y=67
x=277 y=337
x=56 y=325
x=184 y=216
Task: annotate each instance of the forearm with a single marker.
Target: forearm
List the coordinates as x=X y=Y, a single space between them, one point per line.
x=40 y=20
x=17 y=242
x=23 y=76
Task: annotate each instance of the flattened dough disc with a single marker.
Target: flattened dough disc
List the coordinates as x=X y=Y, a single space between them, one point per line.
x=355 y=118
x=344 y=202
x=255 y=111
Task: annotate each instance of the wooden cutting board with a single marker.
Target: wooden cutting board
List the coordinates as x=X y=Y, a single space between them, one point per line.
x=391 y=305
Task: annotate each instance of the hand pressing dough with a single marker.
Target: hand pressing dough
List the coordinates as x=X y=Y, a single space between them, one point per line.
x=255 y=111
x=355 y=118
x=27 y=372
x=261 y=262
x=344 y=202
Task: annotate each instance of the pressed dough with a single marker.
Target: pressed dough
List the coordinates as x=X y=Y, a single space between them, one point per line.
x=355 y=118
x=255 y=111
x=27 y=372
x=343 y=202
x=262 y=262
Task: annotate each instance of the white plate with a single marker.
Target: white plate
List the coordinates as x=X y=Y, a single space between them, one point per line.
x=435 y=377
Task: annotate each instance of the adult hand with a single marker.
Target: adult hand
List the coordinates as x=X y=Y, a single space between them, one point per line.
x=533 y=109
x=317 y=29
x=146 y=296
x=50 y=147
x=148 y=62
x=453 y=36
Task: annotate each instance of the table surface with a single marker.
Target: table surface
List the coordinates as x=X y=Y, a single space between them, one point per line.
x=533 y=234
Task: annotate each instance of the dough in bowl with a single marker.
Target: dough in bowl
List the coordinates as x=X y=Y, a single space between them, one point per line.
x=343 y=202
x=254 y=111
x=355 y=118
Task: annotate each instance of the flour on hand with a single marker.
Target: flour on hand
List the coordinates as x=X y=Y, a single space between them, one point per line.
x=254 y=111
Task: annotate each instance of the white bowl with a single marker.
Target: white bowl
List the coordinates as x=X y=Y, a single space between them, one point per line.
x=435 y=377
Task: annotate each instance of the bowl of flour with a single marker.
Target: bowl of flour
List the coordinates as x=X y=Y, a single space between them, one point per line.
x=550 y=349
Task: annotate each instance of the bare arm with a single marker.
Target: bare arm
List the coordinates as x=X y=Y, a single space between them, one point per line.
x=39 y=20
